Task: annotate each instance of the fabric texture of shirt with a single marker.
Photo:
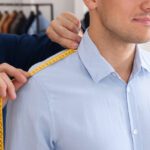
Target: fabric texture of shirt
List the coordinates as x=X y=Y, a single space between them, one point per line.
x=81 y=103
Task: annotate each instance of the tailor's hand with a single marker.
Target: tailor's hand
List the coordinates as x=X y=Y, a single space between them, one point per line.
x=9 y=87
x=65 y=30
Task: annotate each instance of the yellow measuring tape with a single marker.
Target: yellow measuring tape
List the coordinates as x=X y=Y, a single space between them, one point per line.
x=1 y=125
x=45 y=64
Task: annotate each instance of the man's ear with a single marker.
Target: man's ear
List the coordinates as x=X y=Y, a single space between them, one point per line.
x=91 y=4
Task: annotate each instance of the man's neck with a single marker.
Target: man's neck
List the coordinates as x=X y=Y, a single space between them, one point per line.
x=118 y=53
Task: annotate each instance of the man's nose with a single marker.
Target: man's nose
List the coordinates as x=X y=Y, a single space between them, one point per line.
x=145 y=6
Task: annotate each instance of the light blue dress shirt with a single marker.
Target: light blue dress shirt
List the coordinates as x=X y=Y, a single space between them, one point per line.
x=81 y=103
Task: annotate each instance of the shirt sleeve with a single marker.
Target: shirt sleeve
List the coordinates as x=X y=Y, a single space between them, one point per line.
x=25 y=50
x=28 y=122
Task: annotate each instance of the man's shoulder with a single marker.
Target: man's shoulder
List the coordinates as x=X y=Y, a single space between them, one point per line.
x=58 y=69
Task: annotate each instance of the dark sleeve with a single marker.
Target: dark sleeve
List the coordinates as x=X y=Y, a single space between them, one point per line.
x=25 y=50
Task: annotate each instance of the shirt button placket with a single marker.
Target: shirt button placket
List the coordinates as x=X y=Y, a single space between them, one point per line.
x=131 y=110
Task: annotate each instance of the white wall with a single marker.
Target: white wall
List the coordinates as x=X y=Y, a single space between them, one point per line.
x=9 y=1
x=79 y=8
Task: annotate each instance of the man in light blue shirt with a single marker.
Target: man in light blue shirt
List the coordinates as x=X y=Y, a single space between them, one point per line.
x=96 y=99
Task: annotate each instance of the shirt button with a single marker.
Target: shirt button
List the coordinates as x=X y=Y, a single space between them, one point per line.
x=135 y=131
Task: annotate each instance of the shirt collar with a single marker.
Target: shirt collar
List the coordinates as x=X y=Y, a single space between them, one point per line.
x=94 y=62
x=142 y=59
x=99 y=68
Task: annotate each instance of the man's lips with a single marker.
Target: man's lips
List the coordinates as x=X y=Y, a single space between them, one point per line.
x=142 y=20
